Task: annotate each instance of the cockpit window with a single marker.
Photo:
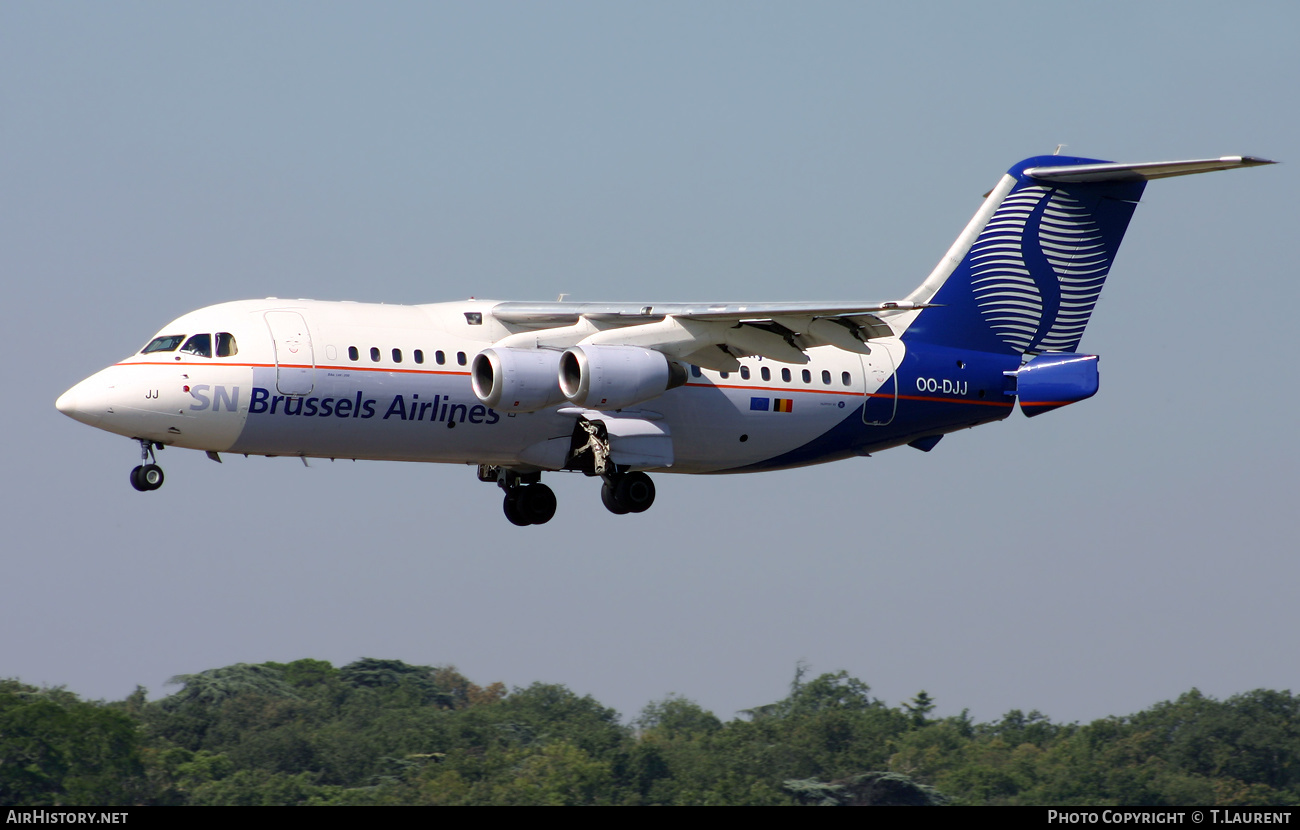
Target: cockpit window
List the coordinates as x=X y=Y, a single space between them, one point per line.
x=199 y=344
x=166 y=343
x=226 y=344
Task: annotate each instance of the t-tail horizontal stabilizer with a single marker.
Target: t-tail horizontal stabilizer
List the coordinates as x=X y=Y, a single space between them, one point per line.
x=1143 y=171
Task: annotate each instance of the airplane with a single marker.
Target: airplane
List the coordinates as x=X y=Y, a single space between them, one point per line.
x=620 y=390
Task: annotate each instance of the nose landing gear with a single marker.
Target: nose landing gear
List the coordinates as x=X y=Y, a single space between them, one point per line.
x=148 y=475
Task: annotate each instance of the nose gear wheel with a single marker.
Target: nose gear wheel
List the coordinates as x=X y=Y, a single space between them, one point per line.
x=147 y=475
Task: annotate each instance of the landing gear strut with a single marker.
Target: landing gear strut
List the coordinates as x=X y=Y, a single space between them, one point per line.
x=527 y=500
x=148 y=475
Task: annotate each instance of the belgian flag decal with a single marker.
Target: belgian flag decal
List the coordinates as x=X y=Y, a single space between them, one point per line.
x=771 y=404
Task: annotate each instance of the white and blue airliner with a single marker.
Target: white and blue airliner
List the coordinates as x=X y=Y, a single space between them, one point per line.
x=620 y=390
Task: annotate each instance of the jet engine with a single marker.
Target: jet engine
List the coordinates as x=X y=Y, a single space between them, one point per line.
x=517 y=380
x=612 y=377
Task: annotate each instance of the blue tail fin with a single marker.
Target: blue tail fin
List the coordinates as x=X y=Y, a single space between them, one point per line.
x=1026 y=273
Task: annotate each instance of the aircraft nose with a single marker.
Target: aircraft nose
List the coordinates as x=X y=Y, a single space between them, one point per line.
x=86 y=402
x=67 y=402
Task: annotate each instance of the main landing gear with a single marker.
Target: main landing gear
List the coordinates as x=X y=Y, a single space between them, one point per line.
x=148 y=475
x=590 y=453
x=529 y=502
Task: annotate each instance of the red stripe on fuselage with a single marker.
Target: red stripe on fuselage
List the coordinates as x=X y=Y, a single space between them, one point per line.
x=344 y=367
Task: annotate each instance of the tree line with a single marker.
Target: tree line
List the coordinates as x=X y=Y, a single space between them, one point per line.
x=380 y=732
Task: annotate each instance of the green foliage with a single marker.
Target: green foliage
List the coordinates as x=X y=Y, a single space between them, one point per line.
x=385 y=732
x=305 y=673
x=415 y=682
x=919 y=708
x=1018 y=728
x=870 y=789
x=1252 y=738
x=216 y=685
x=830 y=692
x=676 y=716
x=58 y=750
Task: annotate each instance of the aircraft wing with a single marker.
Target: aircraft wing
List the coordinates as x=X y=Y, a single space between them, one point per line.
x=711 y=335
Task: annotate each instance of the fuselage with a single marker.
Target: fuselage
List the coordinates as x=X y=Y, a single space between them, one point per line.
x=390 y=382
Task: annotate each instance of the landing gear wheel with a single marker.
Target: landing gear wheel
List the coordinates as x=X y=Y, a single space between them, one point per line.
x=512 y=510
x=536 y=503
x=532 y=504
x=610 y=500
x=628 y=493
x=635 y=491
x=147 y=477
x=527 y=501
x=151 y=476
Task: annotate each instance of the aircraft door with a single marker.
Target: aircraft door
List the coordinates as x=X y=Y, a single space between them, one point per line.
x=295 y=362
x=880 y=370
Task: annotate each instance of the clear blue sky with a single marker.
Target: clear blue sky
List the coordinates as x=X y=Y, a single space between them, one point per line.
x=160 y=157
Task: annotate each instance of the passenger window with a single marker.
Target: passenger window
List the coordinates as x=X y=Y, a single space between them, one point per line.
x=695 y=371
x=845 y=379
x=785 y=375
x=439 y=358
x=460 y=358
x=766 y=373
x=166 y=343
x=419 y=356
x=744 y=372
x=199 y=344
x=226 y=344
x=374 y=354
x=353 y=354
x=807 y=376
x=397 y=355
x=724 y=375
x=826 y=377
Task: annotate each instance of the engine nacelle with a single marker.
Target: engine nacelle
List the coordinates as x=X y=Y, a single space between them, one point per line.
x=612 y=377
x=517 y=380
